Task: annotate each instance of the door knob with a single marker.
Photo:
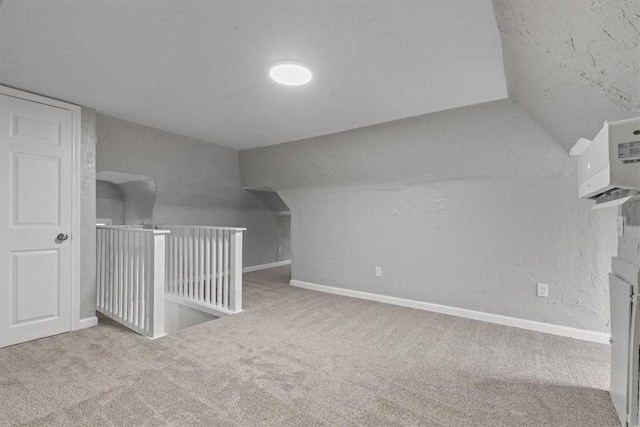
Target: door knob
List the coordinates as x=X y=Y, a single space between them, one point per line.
x=62 y=237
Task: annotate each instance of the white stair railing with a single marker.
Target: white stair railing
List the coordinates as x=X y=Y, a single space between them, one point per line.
x=204 y=267
x=131 y=277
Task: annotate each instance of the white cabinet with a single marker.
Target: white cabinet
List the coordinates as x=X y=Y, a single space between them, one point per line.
x=625 y=319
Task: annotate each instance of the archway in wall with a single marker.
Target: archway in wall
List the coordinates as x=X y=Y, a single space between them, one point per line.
x=272 y=201
x=124 y=199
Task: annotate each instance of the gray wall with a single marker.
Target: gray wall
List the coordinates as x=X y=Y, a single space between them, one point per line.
x=284 y=236
x=629 y=243
x=139 y=200
x=129 y=203
x=469 y=208
x=88 y=214
x=109 y=202
x=198 y=183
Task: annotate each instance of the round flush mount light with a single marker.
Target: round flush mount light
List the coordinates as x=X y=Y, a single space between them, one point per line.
x=290 y=73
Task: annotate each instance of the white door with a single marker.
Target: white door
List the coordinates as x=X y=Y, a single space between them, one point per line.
x=620 y=301
x=36 y=189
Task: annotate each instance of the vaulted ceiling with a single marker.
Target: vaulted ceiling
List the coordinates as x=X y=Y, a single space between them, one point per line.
x=200 y=68
x=572 y=64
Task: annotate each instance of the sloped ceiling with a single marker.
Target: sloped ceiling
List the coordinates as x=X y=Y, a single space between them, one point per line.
x=200 y=68
x=572 y=64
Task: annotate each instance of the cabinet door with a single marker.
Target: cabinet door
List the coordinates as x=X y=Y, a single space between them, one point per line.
x=620 y=300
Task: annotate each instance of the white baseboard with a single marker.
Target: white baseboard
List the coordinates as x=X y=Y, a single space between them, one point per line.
x=87 y=322
x=564 y=331
x=265 y=266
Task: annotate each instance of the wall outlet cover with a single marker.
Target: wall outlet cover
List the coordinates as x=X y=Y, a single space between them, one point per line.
x=378 y=271
x=543 y=290
x=621 y=226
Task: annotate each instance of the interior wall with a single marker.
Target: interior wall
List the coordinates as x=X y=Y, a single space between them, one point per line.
x=198 y=183
x=284 y=236
x=139 y=200
x=109 y=202
x=629 y=243
x=468 y=208
x=88 y=214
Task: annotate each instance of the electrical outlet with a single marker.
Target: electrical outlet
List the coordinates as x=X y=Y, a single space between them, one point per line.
x=378 y=271
x=279 y=249
x=543 y=290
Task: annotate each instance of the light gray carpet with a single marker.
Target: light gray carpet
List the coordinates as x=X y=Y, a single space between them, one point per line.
x=301 y=358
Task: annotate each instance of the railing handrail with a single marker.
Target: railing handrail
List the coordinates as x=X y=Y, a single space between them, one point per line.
x=163 y=226
x=201 y=226
x=133 y=228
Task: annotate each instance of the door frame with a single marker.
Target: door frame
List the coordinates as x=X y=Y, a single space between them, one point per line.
x=76 y=130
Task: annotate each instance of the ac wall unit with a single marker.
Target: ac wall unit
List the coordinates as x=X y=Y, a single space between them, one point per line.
x=609 y=166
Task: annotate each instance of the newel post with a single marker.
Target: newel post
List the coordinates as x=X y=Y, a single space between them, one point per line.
x=235 y=293
x=157 y=271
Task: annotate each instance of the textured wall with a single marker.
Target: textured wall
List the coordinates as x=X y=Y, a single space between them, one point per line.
x=198 y=183
x=478 y=141
x=88 y=214
x=629 y=244
x=469 y=208
x=284 y=237
x=109 y=202
x=572 y=64
x=129 y=203
x=139 y=200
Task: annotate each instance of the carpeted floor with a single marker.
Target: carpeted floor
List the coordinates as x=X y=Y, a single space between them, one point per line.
x=301 y=358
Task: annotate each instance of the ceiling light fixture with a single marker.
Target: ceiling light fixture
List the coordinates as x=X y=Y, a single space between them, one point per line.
x=290 y=73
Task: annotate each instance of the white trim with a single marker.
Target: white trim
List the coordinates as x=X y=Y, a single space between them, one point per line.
x=75 y=191
x=266 y=266
x=17 y=93
x=87 y=322
x=76 y=218
x=548 y=328
x=118 y=320
x=197 y=305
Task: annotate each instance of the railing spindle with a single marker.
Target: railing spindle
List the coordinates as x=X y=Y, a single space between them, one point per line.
x=219 y=271
x=207 y=266
x=141 y=276
x=120 y=273
x=111 y=280
x=226 y=268
x=214 y=266
x=200 y=264
x=127 y=280
x=174 y=262
x=180 y=259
